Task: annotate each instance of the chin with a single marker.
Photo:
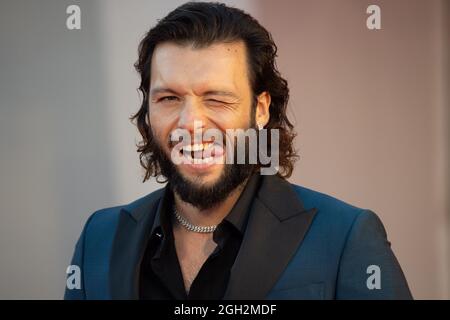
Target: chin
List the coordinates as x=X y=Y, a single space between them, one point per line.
x=205 y=178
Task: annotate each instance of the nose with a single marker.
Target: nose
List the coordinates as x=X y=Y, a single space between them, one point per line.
x=191 y=116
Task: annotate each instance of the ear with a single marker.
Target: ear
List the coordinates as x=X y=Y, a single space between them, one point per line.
x=262 y=114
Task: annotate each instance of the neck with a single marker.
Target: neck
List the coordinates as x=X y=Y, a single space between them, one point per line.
x=212 y=216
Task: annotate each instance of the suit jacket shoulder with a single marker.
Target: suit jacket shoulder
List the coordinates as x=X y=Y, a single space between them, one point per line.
x=345 y=245
x=93 y=249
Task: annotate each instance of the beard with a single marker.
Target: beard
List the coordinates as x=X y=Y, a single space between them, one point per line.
x=200 y=195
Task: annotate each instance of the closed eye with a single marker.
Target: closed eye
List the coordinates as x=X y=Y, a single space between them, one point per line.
x=217 y=101
x=213 y=103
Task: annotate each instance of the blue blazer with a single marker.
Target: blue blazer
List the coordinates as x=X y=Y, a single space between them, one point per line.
x=299 y=244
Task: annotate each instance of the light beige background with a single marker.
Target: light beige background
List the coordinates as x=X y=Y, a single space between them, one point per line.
x=370 y=108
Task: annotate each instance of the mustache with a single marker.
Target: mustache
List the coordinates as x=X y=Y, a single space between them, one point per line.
x=175 y=137
x=172 y=140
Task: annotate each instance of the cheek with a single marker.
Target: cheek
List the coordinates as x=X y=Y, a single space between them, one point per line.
x=238 y=117
x=235 y=121
x=158 y=127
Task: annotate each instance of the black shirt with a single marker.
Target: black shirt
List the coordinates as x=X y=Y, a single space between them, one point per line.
x=160 y=271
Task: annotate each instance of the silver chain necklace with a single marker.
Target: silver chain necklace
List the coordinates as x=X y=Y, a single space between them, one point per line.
x=192 y=227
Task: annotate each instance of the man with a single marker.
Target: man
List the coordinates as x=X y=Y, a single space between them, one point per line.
x=223 y=229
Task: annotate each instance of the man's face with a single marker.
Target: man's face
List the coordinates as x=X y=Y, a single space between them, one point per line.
x=210 y=85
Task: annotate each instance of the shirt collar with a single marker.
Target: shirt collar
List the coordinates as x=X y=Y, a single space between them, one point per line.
x=164 y=207
x=240 y=211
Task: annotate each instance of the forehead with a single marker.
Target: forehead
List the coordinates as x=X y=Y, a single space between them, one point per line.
x=220 y=64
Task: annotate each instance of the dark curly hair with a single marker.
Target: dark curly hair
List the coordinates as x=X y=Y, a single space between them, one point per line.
x=202 y=24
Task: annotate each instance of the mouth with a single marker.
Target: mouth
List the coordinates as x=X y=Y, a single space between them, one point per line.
x=202 y=154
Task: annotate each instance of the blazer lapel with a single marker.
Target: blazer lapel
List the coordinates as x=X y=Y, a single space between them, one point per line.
x=276 y=227
x=135 y=222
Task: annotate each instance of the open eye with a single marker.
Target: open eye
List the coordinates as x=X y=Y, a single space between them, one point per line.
x=168 y=98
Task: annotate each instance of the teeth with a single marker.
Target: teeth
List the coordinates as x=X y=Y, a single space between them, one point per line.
x=195 y=153
x=196 y=147
x=206 y=160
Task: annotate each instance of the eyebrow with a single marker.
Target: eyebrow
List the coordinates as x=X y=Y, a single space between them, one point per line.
x=159 y=90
